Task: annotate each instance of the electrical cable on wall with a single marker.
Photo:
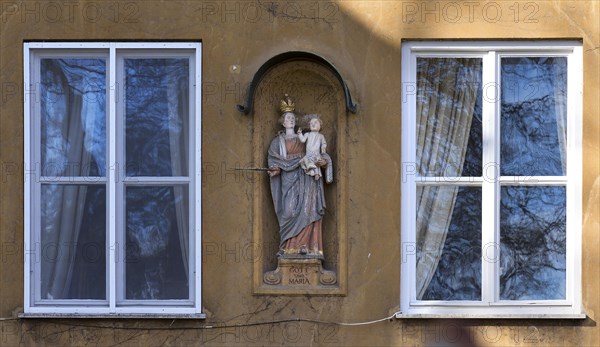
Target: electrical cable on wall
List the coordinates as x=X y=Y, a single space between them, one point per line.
x=170 y=327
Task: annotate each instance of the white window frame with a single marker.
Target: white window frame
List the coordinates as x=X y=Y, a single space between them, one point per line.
x=490 y=305
x=114 y=52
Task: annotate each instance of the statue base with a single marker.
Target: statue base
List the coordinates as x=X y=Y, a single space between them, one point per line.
x=295 y=275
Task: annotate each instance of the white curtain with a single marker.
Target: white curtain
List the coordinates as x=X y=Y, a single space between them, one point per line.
x=445 y=107
x=559 y=83
x=66 y=112
x=178 y=106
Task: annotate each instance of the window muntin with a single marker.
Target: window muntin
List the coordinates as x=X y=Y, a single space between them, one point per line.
x=135 y=226
x=475 y=193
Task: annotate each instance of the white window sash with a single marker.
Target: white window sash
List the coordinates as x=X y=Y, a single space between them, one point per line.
x=111 y=51
x=490 y=304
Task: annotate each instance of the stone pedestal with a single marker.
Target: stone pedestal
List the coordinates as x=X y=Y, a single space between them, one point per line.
x=299 y=273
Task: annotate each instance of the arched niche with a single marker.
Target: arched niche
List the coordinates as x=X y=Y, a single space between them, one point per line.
x=315 y=88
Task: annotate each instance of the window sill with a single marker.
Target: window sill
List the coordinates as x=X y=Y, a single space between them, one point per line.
x=109 y=316
x=400 y=315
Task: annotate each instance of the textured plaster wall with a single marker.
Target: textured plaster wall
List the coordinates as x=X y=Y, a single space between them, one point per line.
x=362 y=39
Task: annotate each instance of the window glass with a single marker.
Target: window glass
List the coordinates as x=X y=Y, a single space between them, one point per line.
x=448 y=243
x=533 y=116
x=157 y=222
x=73 y=241
x=73 y=117
x=156 y=116
x=449 y=116
x=533 y=243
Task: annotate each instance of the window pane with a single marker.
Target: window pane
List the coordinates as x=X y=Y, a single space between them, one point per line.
x=73 y=117
x=533 y=119
x=157 y=116
x=532 y=243
x=448 y=243
x=73 y=237
x=157 y=221
x=449 y=117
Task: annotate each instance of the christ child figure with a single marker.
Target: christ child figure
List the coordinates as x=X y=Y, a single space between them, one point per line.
x=315 y=146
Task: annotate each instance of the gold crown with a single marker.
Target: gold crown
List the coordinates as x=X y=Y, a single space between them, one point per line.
x=287 y=106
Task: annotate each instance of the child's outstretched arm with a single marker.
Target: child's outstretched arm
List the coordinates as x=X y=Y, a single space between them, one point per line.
x=301 y=136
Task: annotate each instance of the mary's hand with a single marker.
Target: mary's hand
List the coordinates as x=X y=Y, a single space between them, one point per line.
x=274 y=171
x=321 y=162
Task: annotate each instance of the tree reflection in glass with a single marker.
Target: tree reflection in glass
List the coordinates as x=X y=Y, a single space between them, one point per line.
x=532 y=243
x=449 y=128
x=157 y=243
x=72 y=217
x=73 y=117
x=73 y=241
x=156 y=119
x=449 y=145
x=455 y=274
x=533 y=119
x=156 y=146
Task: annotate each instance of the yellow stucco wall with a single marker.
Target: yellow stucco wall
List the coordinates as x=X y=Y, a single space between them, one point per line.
x=362 y=39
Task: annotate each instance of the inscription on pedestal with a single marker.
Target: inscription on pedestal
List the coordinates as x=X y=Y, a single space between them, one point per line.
x=301 y=274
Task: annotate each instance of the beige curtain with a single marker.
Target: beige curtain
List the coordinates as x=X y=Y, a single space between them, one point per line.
x=445 y=105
